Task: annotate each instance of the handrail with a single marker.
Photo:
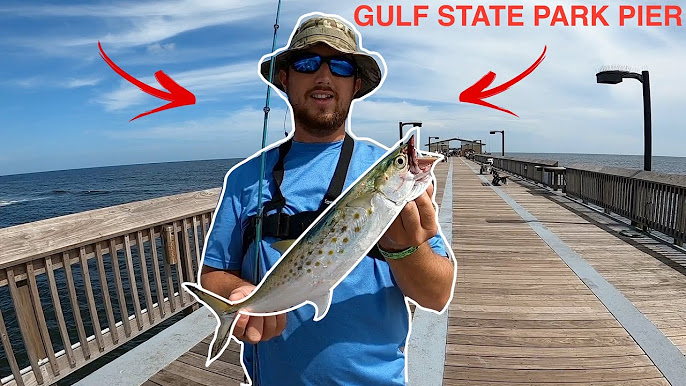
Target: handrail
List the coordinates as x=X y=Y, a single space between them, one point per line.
x=522 y=167
x=649 y=199
x=62 y=270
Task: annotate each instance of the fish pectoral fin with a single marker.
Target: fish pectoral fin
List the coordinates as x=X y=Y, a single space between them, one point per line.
x=364 y=202
x=322 y=304
x=282 y=245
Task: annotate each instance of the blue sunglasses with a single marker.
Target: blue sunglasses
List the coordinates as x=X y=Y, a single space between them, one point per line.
x=310 y=63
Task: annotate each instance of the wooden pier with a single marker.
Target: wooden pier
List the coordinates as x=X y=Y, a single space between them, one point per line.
x=549 y=291
x=519 y=313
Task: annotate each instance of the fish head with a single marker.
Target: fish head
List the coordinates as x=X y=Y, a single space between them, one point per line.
x=404 y=173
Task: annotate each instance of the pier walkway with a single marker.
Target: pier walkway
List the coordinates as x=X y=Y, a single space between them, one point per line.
x=548 y=292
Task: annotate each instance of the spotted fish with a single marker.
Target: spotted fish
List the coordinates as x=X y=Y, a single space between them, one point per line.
x=328 y=250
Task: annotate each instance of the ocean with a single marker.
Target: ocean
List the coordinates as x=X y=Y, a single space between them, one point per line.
x=662 y=164
x=31 y=197
x=37 y=196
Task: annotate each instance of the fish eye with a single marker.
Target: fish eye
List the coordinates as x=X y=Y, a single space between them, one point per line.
x=400 y=161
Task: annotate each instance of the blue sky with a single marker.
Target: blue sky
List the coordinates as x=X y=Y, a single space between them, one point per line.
x=63 y=107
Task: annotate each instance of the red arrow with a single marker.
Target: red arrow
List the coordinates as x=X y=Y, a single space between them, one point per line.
x=476 y=92
x=177 y=95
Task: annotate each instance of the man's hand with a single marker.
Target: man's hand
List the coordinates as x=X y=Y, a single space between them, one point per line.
x=253 y=329
x=414 y=226
x=423 y=276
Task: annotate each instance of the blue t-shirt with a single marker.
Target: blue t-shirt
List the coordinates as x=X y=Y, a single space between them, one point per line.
x=359 y=340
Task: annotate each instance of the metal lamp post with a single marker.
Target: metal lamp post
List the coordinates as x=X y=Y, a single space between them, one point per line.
x=502 y=151
x=430 y=142
x=616 y=76
x=401 y=124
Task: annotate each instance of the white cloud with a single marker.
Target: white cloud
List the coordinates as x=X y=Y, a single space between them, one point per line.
x=39 y=82
x=127 y=9
x=238 y=128
x=135 y=24
x=74 y=83
x=206 y=82
x=157 y=48
x=31 y=82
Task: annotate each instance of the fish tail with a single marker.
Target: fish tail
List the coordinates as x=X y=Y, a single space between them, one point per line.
x=222 y=335
x=226 y=314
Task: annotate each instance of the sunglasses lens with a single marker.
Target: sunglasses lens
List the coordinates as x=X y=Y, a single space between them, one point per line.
x=307 y=64
x=342 y=67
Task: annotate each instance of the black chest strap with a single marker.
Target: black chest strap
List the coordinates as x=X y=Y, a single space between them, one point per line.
x=284 y=226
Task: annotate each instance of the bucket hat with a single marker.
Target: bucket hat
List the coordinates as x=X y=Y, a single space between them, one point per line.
x=337 y=35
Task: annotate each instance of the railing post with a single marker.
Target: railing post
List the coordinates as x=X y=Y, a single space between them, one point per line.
x=680 y=218
x=184 y=262
x=28 y=320
x=555 y=182
x=169 y=241
x=634 y=212
x=607 y=193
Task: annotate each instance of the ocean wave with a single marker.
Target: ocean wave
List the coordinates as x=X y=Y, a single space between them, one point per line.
x=95 y=192
x=10 y=202
x=20 y=201
x=80 y=192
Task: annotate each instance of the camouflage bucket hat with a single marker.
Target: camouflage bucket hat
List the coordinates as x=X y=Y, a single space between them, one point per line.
x=335 y=34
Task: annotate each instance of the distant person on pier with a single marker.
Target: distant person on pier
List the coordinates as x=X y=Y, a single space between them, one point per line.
x=360 y=340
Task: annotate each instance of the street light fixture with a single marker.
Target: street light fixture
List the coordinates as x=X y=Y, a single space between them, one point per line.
x=502 y=151
x=616 y=76
x=430 y=142
x=401 y=124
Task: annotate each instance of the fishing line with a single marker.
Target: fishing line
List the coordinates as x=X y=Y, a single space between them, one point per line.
x=263 y=160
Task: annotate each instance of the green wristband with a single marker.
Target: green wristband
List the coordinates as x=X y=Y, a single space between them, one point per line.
x=396 y=255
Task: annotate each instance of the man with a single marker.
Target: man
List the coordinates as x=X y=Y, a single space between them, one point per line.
x=360 y=340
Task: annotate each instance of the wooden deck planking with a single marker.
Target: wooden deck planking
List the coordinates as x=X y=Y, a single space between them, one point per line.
x=519 y=314
x=189 y=369
x=634 y=267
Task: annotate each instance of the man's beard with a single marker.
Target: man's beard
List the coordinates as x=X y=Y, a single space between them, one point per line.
x=320 y=123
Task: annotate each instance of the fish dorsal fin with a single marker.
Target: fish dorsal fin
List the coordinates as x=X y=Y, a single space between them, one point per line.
x=322 y=304
x=364 y=202
x=282 y=245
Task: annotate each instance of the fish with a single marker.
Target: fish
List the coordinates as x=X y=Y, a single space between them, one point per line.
x=312 y=265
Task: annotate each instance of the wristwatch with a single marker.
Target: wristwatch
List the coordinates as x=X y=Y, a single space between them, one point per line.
x=396 y=255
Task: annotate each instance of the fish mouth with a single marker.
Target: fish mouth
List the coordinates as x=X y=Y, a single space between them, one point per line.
x=419 y=166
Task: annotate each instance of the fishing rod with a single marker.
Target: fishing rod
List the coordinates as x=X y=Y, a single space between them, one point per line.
x=263 y=160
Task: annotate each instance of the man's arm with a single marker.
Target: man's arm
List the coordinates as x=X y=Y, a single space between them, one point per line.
x=221 y=282
x=423 y=276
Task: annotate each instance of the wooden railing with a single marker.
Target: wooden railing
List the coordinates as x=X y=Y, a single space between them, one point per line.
x=649 y=199
x=531 y=169
x=97 y=278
